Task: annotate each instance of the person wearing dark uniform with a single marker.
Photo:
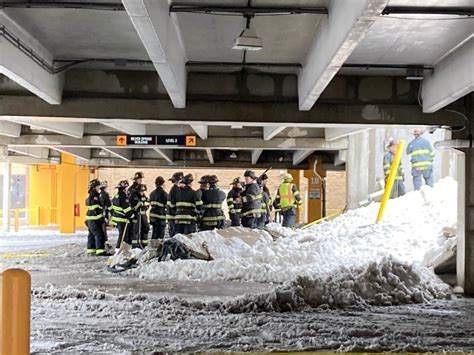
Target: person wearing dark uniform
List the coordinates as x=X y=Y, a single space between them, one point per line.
x=266 y=202
x=176 y=179
x=122 y=214
x=203 y=186
x=234 y=202
x=212 y=199
x=134 y=198
x=251 y=200
x=158 y=201
x=143 y=227
x=106 y=203
x=137 y=181
x=187 y=205
x=95 y=220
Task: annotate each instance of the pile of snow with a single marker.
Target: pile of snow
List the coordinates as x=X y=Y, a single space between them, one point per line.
x=410 y=227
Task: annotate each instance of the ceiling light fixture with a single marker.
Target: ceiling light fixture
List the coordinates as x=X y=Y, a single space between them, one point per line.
x=248 y=39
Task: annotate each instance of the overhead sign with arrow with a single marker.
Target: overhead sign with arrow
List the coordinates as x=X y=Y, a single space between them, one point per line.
x=181 y=140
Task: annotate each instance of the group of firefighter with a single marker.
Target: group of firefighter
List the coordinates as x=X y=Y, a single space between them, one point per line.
x=183 y=210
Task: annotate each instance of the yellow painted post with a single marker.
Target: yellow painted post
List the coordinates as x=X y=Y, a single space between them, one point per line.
x=17 y=220
x=15 y=303
x=390 y=179
x=66 y=193
x=315 y=188
x=41 y=189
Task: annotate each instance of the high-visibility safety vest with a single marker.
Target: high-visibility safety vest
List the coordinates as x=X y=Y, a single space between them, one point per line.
x=288 y=197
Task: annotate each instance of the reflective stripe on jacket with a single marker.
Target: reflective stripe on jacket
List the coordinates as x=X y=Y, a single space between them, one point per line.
x=121 y=209
x=288 y=196
x=252 y=201
x=387 y=164
x=421 y=154
x=95 y=209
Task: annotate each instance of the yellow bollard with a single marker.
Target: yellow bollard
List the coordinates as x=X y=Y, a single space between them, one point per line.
x=17 y=220
x=15 y=301
x=391 y=179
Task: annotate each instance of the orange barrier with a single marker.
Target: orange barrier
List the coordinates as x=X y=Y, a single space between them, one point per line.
x=15 y=303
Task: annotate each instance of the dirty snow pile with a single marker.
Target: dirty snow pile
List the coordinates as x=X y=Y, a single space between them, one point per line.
x=334 y=254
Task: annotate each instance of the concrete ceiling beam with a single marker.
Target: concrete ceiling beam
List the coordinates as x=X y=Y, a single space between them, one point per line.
x=124 y=154
x=340 y=158
x=136 y=129
x=201 y=130
x=71 y=129
x=256 y=153
x=230 y=143
x=452 y=78
x=210 y=156
x=301 y=155
x=336 y=37
x=332 y=134
x=160 y=35
x=10 y=129
x=27 y=160
x=22 y=68
x=271 y=131
x=80 y=153
x=166 y=154
x=35 y=152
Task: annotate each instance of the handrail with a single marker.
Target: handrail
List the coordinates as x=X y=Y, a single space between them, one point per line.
x=334 y=215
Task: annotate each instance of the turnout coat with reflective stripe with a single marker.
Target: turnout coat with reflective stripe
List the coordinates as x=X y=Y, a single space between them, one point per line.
x=234 y=200
x=212 y=200
x=421 y=154
x=251 y=201
x=387 y=164
x=121 y=209
x=158 y=201
x=171 y=206
x=95 y=209
x=187 y=204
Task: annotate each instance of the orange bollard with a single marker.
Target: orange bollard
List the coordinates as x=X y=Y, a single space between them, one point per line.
x=15 y=302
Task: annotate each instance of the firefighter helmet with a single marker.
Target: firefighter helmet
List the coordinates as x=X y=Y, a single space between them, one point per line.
x=236 y=180
x=104 y=184
x=287 y=177
x=187 y=179
x=94 y=183
x=159 y=181
x=138 y=175
x=213 y=179
x=250 y=173
x=122 y=184
x=177 y=177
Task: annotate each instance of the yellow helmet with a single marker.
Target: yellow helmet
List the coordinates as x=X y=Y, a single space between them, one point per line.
x=287 y=177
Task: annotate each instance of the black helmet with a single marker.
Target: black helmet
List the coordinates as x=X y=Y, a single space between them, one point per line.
x=236 y=180
x=138 y=175
x=142 y=188
x=213 y=179
x=250 y=173
x=187 y=179
x=122 y=184
x=177 y=177
x=94 y=183
x=204 y=179
x=159 y=181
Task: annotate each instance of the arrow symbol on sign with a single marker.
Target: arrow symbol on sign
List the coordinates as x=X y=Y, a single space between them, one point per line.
x=121 y=139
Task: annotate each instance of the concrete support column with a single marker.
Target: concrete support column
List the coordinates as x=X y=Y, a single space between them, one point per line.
x=6 y=196
x=357 y=169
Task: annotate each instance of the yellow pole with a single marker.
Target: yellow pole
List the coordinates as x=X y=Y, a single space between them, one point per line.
x=390 y=180
x=17 y=222
x=15 y=301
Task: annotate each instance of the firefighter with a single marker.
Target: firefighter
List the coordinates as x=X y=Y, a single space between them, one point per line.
x=137 y=181
x=187 y=205
x=143 y=227
x=212 y=199
x=158 y=201
x=251 y=201
x=95 y=220
x=287 y=199
x=106 y=203
x=135 y=201
x=234 y=202
x=203 y=187
x=421 y=155
x=176 y=179
x=266 y=202
x=122 y=214
x=399 y=183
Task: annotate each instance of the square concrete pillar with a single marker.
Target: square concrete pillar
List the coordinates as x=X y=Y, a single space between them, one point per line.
x=357 y=169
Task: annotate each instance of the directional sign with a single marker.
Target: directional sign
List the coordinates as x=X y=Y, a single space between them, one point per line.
x=190 y=141
x=141 y=140
x=121 y=140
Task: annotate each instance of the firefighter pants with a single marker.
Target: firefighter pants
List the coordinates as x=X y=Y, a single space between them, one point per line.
x=185 y=228
x=235 y=219
x=159 y=227
x=209 y=227
x=96 y=237
x=172 y=227
x=141 y=228
x=398 y=189
x=250 y=222
x=125 y=233
x=289 y=217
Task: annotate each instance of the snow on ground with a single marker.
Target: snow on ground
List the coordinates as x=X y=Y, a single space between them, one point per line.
x=348 y=260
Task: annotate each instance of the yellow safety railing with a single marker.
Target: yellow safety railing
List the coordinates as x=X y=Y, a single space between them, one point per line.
x=331 y=216
x=16 y=214
x=390 y=179
x=15 y=305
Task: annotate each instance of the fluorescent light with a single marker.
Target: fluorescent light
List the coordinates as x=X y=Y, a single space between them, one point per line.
x=248 y=40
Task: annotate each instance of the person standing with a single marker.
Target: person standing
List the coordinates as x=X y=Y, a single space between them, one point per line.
x=212 y=199
x=95 y=220
x=176 y=179
x=266 y=202
x=122 y=214
x=187 y=205
x=398 y=188
x=421 y=154
x=158 y=201
x=143 y=225
x=203 y=187
x=251 y=200
x=106 y=203
x=234 y=202
x=287 y=199
x=137 y=181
